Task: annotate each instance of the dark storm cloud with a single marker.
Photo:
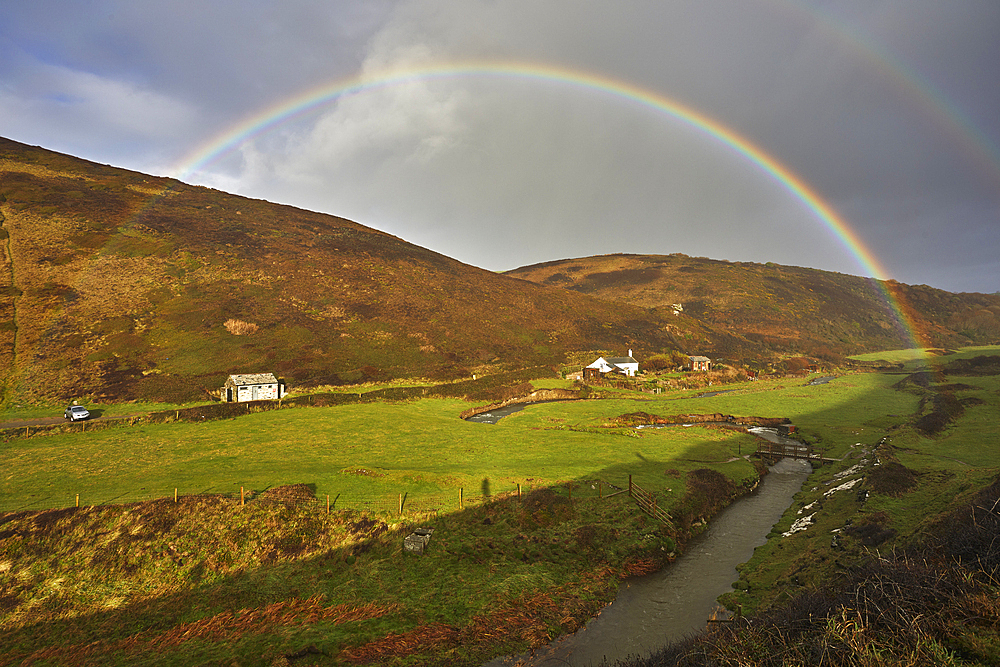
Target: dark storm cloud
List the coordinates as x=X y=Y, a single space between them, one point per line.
x=888 y=110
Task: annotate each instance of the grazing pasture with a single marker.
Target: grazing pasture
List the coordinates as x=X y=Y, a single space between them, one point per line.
x=371 y=453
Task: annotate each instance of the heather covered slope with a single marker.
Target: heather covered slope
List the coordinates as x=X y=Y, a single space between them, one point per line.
x=120 y=285
x=743 y=306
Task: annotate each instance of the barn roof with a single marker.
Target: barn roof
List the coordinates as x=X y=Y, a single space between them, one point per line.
x=254 y=378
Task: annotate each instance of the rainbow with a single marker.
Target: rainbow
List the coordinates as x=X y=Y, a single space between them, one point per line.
x=955 y=122
x=310 y=100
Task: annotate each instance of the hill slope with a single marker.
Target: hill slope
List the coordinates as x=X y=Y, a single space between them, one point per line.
x=120 y=285
x=748 y=308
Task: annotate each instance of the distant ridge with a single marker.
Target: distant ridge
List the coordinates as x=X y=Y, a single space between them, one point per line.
x=745 y=306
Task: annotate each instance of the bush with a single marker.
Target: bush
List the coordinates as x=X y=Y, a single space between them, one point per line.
x=891 y=479
x=707 y=491
x=945 y=408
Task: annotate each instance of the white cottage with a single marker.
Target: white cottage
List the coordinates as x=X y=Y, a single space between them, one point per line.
x=626 y=365
x=252 y=387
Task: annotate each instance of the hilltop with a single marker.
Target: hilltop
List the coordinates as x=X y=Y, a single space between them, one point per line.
x=749 y=309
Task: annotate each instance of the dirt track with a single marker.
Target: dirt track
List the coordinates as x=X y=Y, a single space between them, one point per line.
x=49 y=421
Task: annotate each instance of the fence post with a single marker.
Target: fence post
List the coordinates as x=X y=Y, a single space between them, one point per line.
x=175 y=494
x=328 y=503
x=519 y=492
x=461 y=499
x=401 y=504
x=241 y=496
x=78 y=500
x=630 y=485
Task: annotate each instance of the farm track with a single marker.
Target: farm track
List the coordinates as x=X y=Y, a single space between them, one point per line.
x=51 y=421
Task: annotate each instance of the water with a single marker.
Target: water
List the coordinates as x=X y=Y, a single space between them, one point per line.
x=652 y=611
x=710 y=394
x=493 y=416
x=772 y=434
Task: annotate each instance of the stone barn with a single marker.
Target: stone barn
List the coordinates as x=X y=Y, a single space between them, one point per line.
x=252 y=387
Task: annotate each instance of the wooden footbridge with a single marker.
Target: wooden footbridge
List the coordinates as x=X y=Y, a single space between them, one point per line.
x=773 y=451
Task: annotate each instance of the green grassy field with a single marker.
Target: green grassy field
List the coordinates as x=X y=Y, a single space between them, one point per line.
x=371 y=453
x=158 y=582
x=359 y=453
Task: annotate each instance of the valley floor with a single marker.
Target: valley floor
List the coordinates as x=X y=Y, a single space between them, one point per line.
x=529 y=538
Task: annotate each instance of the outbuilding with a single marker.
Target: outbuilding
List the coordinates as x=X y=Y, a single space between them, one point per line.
x=252 y=387
x=699 y=363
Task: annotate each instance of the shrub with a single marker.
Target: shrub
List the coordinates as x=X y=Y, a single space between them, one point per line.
x=891 y=479
x=707 y=491
x=945 y=408
x=657 y=363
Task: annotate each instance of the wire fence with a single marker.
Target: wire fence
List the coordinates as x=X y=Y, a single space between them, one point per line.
x=401 y=502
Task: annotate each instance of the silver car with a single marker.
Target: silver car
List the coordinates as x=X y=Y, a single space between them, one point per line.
x=76 y=413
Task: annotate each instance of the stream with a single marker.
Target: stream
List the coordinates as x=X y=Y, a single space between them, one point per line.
x=652 y=611
x=495 y=415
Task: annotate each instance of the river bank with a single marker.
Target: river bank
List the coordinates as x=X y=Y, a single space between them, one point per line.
x=655 y=609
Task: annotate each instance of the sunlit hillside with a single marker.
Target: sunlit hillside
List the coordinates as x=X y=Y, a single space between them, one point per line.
x=123 y=285
x=780 y=308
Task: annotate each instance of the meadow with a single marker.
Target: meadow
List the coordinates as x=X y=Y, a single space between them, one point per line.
x=135 y=577
x=370 y=453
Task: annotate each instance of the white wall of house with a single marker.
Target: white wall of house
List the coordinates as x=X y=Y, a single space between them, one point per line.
x=257 y=392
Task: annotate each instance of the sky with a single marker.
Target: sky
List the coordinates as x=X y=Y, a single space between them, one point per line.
x=858 y=136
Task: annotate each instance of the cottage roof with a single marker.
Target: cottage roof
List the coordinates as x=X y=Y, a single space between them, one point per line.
x=254 y=378
x=621 y=360
x=699 y=358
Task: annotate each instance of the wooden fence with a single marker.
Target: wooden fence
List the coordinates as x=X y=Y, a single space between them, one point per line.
x=647 y=502
x=35 y=500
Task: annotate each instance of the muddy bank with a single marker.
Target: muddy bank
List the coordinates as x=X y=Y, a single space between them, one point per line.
x=646 y=419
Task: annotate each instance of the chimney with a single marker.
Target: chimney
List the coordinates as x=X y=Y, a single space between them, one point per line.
x=630 y=353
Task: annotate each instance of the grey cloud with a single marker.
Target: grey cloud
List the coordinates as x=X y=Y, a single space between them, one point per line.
x=888 y=111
